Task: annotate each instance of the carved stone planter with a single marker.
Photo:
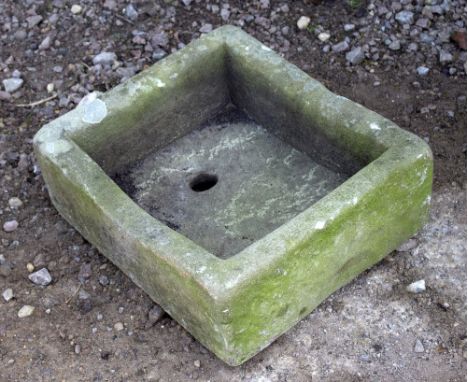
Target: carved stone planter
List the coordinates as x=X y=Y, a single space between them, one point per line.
x=234 y=189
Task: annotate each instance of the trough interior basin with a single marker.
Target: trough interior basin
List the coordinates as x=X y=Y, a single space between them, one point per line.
x=227 y=183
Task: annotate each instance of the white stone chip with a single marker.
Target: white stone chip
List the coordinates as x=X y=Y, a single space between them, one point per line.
x=320 y=225
x=324 y=36
x=10 y=226
x=417 y=287
x=93 y=109
x=303 y=22
x=25 y=311
x=8 y=294
x=159 y=83
x=76 y=9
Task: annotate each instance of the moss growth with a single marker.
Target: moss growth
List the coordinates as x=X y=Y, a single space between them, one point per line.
x=238 y=306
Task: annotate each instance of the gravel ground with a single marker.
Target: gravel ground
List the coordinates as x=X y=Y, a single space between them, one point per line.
x=68 y=314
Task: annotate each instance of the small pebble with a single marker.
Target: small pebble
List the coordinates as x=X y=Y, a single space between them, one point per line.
x=119 y=326
x=154 y=315
x=349 y=27
x=206 y=28
x=197 y=363
x=30 y=267
x=33 y=20
x=50 y=87
x=417 y=287
x=225 y=14
x=103 y=280
x=422 y=70
x=444 y=305
x=77 y=349
x=323 y=36
x=25 y=311
x=445 y=57
x=10 y=225
x=41 y=277
x=340 y=47
x=45 y=44
x=15 y=202
x=418 y=347
x=395 y=45
x=8 y=294
x=303 y=22
x=104 y=58
x=405 y=17
x=12 y=84
x=355 y=56
x=131 y=12
x=76 y=9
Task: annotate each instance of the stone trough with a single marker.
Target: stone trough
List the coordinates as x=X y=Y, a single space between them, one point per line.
x=234 y=189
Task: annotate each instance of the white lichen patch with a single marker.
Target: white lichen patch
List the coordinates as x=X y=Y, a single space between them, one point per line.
x=374 y=126
x=320 y=225
x=56 y=147
x=93 y=110
x=159 y=83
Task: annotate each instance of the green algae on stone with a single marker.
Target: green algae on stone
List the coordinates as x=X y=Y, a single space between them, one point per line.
x=237 y=306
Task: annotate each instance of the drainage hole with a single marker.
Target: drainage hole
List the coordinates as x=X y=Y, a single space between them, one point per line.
x=203 y=182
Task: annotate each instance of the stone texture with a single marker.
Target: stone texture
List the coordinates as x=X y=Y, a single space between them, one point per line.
x=253 y=171
x=237 y=306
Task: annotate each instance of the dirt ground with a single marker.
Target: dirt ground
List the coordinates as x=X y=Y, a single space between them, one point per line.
x=370 y=330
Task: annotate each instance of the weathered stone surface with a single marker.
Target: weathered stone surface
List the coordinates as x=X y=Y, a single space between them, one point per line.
x=239 y=305
x=259 y=183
